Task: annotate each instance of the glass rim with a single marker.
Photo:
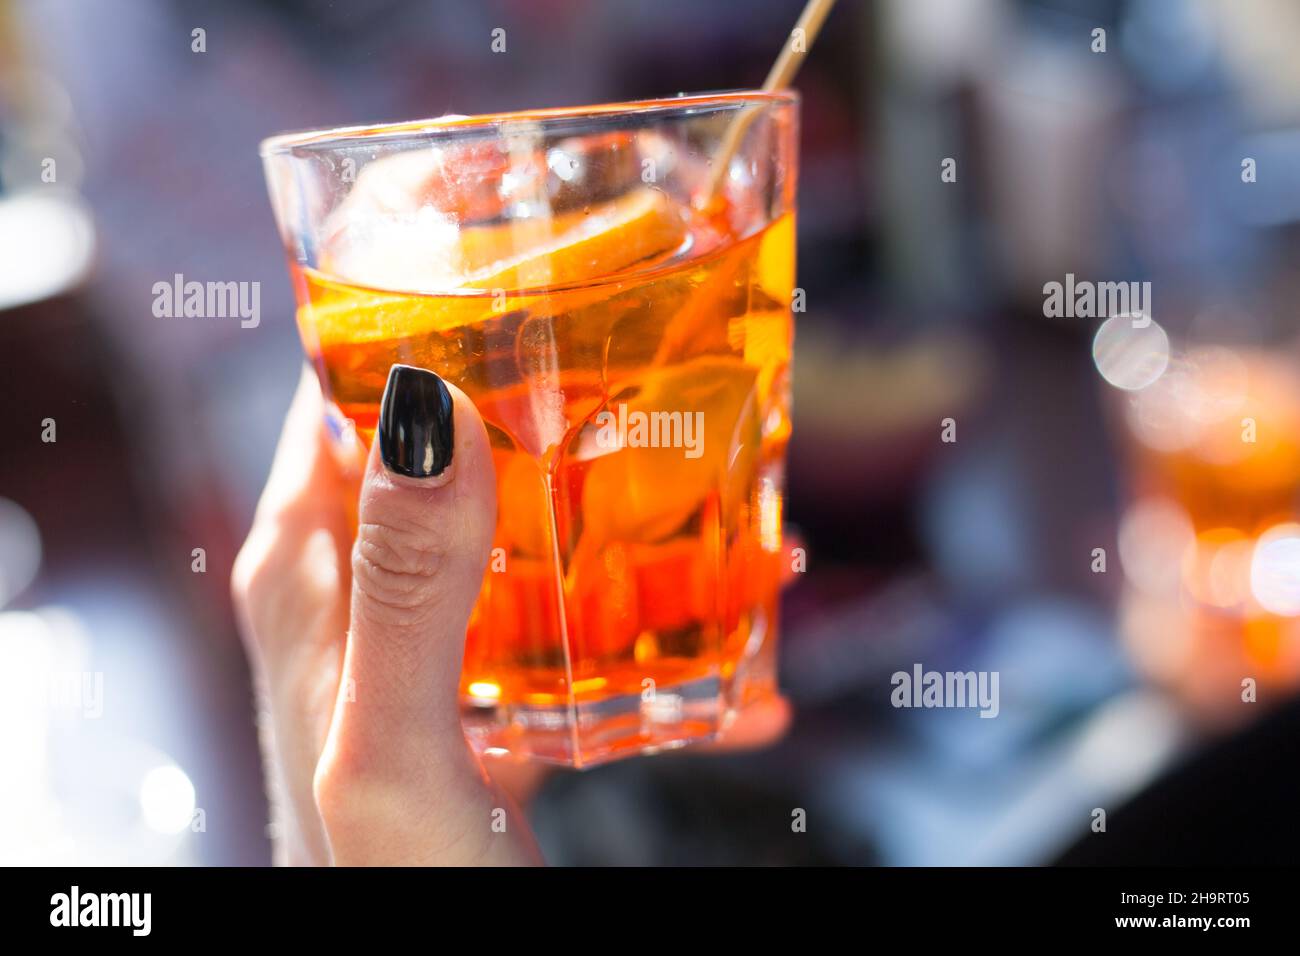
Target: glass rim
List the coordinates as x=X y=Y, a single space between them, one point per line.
x=686 y=104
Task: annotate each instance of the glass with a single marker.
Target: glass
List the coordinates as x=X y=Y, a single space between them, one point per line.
x=625 y=330
x=1208 y=414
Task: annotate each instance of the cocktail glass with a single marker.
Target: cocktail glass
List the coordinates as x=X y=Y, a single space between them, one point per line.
x=621 y=317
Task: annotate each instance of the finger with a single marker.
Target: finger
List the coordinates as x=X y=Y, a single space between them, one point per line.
x=288 y=587
x=758 y=725
x=518 y=777
x=305 y=475
x=296 y=551
x=426 y=520
x=296 y=548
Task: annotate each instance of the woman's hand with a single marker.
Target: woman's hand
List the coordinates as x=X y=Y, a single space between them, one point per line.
x=356 y=650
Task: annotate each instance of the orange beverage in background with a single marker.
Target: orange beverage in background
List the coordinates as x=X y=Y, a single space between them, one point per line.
x=1214 y=594
x=1220 y=432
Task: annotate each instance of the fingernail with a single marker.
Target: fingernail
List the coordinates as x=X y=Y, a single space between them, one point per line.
x=416 y=436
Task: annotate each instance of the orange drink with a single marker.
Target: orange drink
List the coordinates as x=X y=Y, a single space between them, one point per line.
x=626 y=336
x=1211 y=545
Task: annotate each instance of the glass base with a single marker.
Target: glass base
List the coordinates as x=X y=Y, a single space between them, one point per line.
x=592 y=733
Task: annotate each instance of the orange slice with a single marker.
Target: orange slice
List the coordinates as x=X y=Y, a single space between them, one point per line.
x=644 y=494
x=337 y=314
x=583 y=246
x=443 y=272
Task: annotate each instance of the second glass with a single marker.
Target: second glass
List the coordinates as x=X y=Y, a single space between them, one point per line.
x=621 y=317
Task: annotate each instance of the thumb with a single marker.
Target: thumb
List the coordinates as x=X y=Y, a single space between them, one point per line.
x=425 y=526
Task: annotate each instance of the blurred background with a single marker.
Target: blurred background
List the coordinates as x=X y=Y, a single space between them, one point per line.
x=1106 y=532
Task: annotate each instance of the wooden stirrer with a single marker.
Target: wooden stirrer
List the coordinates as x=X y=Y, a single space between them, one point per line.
x=778 y=78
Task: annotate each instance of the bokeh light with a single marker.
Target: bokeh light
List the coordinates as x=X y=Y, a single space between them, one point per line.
x=167 y=799
x=1129 y=352
x=1275 y=570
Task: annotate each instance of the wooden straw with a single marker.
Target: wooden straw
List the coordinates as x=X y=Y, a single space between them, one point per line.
x=778 y=78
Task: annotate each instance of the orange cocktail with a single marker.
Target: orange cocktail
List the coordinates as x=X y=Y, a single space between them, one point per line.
x=1211 y=543
x=626 y=338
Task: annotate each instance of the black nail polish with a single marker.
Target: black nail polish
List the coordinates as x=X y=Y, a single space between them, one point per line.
x=416 y=437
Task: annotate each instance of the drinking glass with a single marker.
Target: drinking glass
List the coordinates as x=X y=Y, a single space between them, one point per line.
x=621 y=318
x=1208 y=416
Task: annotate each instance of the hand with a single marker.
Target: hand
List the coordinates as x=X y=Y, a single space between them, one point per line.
x=356 y=650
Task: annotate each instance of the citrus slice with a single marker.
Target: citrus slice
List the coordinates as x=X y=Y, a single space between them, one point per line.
x=438 y=274
x=583 y=245
x=643 y=493
x=337 y=314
